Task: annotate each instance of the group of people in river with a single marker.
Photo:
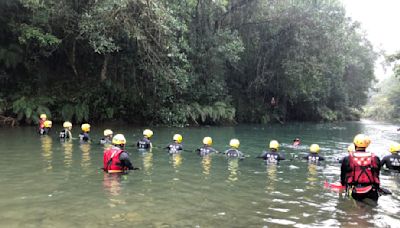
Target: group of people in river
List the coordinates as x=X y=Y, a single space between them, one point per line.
x=360 y=169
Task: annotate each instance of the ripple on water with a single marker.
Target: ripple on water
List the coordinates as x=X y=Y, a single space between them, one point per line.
x=280 y=221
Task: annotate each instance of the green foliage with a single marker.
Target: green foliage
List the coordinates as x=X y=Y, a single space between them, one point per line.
x=385 y=101
x=218 y=113
x=183 y=62
x=36 y=35
x=29 y=109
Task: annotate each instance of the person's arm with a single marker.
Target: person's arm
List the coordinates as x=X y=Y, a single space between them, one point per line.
x=343 y=170
x=264 y=153
x=281 y=157
x=125 y=161
x=384 y=161
x=321 y=158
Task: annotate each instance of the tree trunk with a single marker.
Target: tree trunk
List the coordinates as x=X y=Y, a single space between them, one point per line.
x=71 y=58
x=103 y=75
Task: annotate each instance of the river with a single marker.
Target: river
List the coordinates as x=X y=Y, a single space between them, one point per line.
x=46 y=183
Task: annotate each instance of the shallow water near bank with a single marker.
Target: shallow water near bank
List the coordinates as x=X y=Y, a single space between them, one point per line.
x=46 y=183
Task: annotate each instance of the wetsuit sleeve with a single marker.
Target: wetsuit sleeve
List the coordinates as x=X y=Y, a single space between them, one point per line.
x=384 y=161
x=321 y=158
x=344 y=169
x=263 y=155
x=305 y=157
x=281 y=157
x=125 y=161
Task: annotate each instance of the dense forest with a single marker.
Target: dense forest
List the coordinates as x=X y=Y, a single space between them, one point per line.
x=384 y=103
x=180 y=62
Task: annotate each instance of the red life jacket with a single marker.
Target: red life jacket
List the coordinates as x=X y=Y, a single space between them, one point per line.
x=111 y=162
x=363 y=166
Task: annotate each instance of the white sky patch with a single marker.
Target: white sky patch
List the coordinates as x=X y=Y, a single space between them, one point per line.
x=380 y=19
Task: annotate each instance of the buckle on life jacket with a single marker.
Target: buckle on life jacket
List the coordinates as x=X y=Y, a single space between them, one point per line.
x=115 y=171
x=362 y=190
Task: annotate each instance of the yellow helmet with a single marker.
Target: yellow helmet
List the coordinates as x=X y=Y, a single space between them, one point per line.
x=48 y=123
x=85 y=127
x=314 y=148
x=351 y=148
x=148 y=133
x=119 y=139
x=67 y=124
x=178 y=138
x=43 y=116
x=361 y=140
x=273 y=144
x=207 y=141
x=235 y=143
x=394 y=147
x=107 y=132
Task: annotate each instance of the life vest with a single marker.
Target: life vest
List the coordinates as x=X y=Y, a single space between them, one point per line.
x=203 y=151
x=143 y=143
x=232 y=153
x=312 y=158
x=362 y=166
x=111 y=162
x=272 y=157
x=174 y=148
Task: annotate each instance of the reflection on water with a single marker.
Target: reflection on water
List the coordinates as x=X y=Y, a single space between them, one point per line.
x=47 y=151
x=147 y=162
x=112 y=186
x=312 y=178
x=271 y=177
x=85 y=148
x=112 y=183
x=67 y=146
x=176 y=160
x=233 y=167
x=206 y=164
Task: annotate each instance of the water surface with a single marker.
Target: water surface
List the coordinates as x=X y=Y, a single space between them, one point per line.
x=47 y=183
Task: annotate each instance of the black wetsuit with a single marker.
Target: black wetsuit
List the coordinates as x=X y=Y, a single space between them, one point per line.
x=65 y=134
x=205 y=150
x=391 y=162
x=174 y=148
x=314 y=158
x=44 y=131
x=271 y=157
x=234 y=153
x=144 y=143
x=125 y=161
x=84 y=136
x=105 y=140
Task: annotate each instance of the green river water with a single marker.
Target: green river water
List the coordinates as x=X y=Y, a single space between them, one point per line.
x=46 y=183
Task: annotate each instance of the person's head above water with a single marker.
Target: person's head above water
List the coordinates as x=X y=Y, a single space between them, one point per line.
x=274 y=145
x=48 y=124
x=119 y=140
x=207 y=141
x=177 y=138
x=394 y=148
x=296 y=141
x=67 y=125
x=234 y=143
x=85 y=127
x=148 y=133
x=314 y=148
x=43 y=116
x=108 y=133
x=361 y=142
